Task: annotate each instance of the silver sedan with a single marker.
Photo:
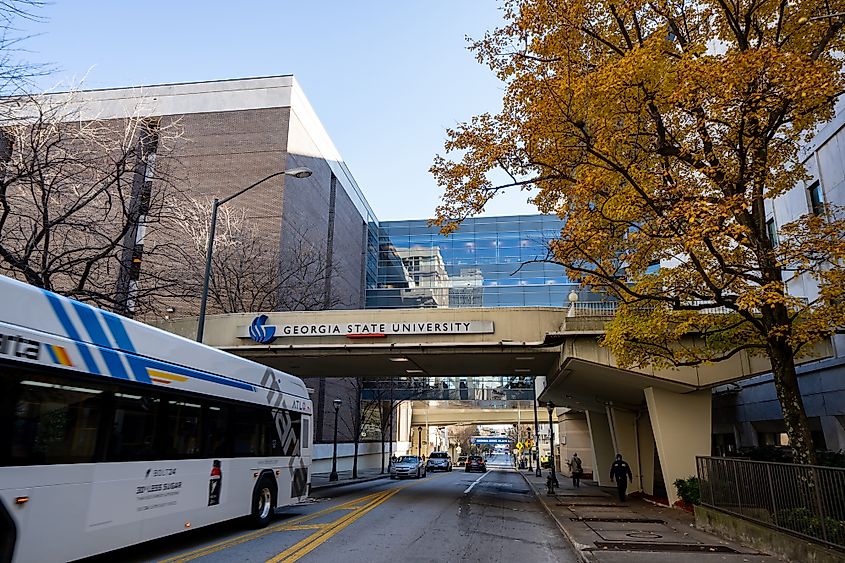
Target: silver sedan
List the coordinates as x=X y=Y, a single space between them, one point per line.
x=408 y=466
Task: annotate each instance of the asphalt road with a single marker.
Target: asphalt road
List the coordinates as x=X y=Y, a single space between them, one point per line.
x=453 y=516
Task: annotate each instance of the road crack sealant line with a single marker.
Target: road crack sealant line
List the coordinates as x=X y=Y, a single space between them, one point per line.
x=358 y=507
x=579 y=548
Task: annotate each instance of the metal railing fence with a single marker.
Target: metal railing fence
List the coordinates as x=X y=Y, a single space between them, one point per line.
x=610 y=308
x=805 y=500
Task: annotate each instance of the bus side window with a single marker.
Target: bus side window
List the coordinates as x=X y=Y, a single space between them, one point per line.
x=133 y=435
x=54 y=421
x=306 y=434
x=248 y=427
x=217 y=436
x=183 y=428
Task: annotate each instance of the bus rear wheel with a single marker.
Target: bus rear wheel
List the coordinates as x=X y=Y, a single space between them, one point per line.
x=263 y=502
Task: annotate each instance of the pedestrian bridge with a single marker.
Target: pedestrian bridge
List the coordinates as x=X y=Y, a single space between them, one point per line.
x=644 y=413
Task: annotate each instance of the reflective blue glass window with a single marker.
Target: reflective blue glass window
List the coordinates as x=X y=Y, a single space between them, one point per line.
x=482 y=263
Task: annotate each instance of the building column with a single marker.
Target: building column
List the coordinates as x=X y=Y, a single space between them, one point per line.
x=834 y=434
x=623 y=430
x=645 y=438
x=602 y=442
x=682 y=430
x=575 y=431
x=746 y=435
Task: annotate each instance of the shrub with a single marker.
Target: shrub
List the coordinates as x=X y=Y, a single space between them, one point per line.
x=688 y=490
x=803 y=521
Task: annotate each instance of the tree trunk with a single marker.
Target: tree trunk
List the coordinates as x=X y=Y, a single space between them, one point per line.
x=782 y=360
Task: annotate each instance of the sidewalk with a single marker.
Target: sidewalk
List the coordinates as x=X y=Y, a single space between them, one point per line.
x=320 y=481
x=603 y=530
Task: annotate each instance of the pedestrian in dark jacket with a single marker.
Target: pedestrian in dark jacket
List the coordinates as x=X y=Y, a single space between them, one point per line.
x=620 y=471
x=577 y=470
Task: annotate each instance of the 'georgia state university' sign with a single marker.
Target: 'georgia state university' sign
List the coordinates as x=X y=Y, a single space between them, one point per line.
x=261 y=333
x=265 y=334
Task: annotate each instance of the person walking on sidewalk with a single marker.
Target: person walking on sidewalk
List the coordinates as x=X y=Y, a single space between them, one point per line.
x=621 y=472
x=577 y=470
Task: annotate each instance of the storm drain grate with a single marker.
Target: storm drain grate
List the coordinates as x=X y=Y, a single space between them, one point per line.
x=591 y=504
x=686 y=547
x=624 y=520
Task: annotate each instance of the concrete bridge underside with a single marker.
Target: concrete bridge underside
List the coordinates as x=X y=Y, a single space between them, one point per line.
x=645 y=414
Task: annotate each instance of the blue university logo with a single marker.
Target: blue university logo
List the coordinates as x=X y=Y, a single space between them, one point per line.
x=261 y=333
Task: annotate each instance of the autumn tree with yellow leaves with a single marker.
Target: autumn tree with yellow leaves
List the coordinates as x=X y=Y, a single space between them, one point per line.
x=659 y=130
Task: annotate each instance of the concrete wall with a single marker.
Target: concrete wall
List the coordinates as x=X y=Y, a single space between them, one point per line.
x=603 y=452
x=575 y=431
x=681 y=425
x=624 y=431
x=369 y=456
x=647 y=449
x=782 y=545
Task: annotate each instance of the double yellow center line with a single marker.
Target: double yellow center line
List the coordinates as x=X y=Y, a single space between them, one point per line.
x=357 y=509
x=352 y=511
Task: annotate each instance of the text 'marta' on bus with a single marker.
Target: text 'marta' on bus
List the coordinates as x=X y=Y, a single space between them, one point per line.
x=113 y=432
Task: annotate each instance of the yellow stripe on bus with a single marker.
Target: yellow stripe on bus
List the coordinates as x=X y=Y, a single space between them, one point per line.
x=61 y=355
x=165 y=375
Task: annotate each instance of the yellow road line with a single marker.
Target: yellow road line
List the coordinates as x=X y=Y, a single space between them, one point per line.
x=306 y=527
x=315 y=540
x=312 y=542
x=208 y=550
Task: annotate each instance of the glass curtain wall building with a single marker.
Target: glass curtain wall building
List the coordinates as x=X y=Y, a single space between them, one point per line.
x=487 y=262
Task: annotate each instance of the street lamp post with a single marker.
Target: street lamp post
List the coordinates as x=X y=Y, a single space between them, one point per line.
x=551 y=407
x=333 y=474
x=419 y=441
x=295 y=172
x=539 y=471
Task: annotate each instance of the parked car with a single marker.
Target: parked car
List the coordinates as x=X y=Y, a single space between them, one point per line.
x=439 y=461
x=462 y=459
x=408 y=466
x=476 y=463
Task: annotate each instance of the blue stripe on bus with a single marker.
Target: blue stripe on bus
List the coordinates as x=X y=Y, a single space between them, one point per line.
x=115 y=325
x=91 y=324
x=138 y=364
x=95 y=330
x=194 y=374
x=121 y=338
x=61 y=314
x=139 y=368
x=52 y=353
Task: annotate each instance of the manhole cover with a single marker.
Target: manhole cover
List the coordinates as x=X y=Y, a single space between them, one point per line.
x=591 y=504
x=644 y=535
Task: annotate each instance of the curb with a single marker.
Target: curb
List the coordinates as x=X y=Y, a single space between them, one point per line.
x=582 y=557
x=347 y=482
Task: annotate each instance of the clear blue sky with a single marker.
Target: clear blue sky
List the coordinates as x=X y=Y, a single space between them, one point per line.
x=386 y=77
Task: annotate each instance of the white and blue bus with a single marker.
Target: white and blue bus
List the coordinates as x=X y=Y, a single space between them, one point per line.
x=113 y=432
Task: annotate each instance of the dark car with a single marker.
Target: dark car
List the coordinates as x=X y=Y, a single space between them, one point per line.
x=439 y=461
x=476 y=463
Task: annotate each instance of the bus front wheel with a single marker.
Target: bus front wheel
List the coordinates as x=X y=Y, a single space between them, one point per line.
x=263 y=502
